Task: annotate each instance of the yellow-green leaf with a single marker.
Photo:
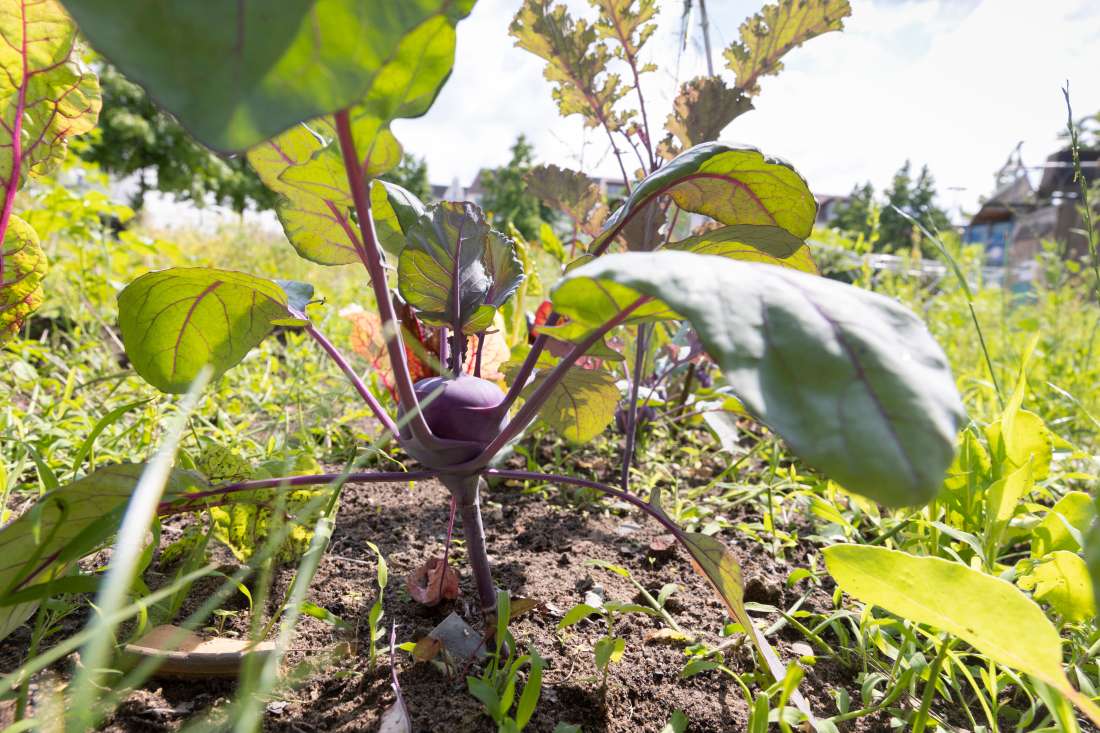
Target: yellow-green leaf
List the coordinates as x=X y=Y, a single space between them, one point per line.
x=22 y=267
x=1051 y=535
x=986 y=612
x=1030 y=437
x=582 y=404
x=1062 y=580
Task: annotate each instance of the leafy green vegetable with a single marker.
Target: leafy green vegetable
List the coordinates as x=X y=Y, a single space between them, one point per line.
x=704 y=107
x=850 y=379
x=22 y=267
x=1062 y=580
x=234 y=75
x=1078 y=510
x=446 y=248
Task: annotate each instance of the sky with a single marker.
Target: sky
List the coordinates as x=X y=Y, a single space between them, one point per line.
x=951 y=84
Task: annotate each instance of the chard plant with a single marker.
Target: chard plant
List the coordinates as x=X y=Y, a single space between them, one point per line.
x=851 y=380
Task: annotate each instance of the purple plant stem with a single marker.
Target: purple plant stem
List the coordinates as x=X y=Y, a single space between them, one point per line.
x=477 y=359
x=314 y=480
x=361 y=388
x=394 y=344
x=443 y=341
x=625 y=496
x=528 y=366
x=447 y=548
x=465 y=493
x=632 y=414
x=530 y=408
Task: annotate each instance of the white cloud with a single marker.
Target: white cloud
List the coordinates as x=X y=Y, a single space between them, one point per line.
x=954 y=84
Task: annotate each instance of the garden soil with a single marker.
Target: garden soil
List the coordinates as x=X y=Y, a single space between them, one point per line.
x=537 y=550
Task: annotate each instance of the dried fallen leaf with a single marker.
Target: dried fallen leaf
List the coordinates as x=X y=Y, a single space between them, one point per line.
x=427 y=649
x=663 y=546
x=432 y=582
x=665 y=636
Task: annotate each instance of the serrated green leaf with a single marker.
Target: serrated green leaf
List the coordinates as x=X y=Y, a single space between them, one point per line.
x=704 y=107
x=767 y=245
x=729 y=182
x=1051 y=535
x=1062 y=580
x=850 y=379
x=426 y=270
x=580 y=406
x=221 y=465
x=985 y=612
x=570 y=192
x=176 y=321
x=299 y=59
x=22 y=267
x=776 y=30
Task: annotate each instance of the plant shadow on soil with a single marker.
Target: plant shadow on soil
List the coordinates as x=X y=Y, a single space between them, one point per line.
x=536 y=550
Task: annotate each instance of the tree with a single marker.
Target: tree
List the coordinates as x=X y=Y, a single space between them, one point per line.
x=412 y=175
x=507 y=198
x=135 y=136
x=857 y=217
x=896 y=233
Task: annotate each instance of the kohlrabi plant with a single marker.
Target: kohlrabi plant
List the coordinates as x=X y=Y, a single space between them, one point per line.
x=851 y=380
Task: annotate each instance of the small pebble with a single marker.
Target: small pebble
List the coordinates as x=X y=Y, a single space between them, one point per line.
x=658 y=677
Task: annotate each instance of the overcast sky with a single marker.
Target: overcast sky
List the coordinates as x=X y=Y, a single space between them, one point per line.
x=954 y=84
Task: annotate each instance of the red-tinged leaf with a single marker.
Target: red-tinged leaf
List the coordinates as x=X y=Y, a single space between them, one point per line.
x=427 y=649
x=432 y=582
x=573 y=193
x=713 y=561
x=495 y=353
x=521 y=606
x=703 y=109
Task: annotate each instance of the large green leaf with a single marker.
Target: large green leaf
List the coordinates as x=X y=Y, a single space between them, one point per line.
x=176 y=321
x=22 y=267
x=985 y=612
x=235 y=74
x=850 y=379
x=581 y=406
x=448 y=237
x=777 y=29
x=769 y=245
x=93 y=511
x=729 y=182
x=320 y=230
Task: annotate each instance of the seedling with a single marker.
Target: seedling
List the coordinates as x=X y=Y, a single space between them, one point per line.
x=374 y=618
x=222 y=615
x=609 y=649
